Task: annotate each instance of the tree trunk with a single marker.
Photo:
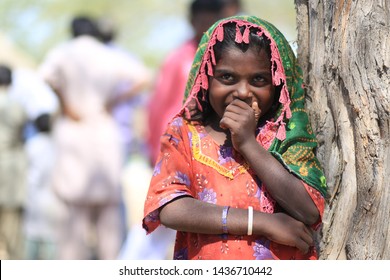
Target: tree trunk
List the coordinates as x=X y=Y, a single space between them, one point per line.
x=344 y=50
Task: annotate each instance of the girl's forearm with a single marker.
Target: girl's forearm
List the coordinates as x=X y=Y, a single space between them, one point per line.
x=190 y=215
x=285 y=188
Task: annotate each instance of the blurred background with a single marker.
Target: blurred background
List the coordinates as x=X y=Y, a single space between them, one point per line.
x=150 y=29
x=58 y=111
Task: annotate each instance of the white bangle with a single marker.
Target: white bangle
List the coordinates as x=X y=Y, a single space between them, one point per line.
x=250 y=220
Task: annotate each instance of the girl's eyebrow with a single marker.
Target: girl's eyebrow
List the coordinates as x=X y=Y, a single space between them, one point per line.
x=224 y=70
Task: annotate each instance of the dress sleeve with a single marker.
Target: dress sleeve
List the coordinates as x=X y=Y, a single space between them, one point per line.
x=318 y=200
x=171 y=175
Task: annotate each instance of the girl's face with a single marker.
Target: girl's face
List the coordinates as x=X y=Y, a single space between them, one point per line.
x=242 y=75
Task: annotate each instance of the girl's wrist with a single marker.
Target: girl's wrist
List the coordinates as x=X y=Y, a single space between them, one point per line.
x=260 y=223
x=248 y=147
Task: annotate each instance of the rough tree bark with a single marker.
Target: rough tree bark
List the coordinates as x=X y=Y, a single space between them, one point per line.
x=344 y=49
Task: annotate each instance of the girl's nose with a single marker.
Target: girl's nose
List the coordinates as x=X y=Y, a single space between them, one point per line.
x=243 y=91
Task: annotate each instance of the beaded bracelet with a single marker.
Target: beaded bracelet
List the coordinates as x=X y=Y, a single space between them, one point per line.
x=224 y=219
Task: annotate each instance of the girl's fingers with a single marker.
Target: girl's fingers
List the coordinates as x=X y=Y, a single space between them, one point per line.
x=303 y=246
x=227 y=122
x=256 y=110
x=308 y=238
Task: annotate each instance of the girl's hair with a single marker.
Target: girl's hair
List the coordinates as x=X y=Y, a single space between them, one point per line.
x=257 y=43
x=229 y=36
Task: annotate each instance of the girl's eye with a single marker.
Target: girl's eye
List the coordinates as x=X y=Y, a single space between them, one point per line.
x=259 y=79
x=227 y=77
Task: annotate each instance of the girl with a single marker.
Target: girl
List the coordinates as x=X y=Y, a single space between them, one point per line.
x=237 y=176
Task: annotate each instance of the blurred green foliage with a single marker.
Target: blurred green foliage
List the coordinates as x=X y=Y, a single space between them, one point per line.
x=148 y=28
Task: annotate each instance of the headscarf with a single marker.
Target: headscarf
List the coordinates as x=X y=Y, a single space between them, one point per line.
x=294 y=142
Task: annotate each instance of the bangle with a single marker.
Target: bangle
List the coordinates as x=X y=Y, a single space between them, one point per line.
x=224 y=219
x=250 y=220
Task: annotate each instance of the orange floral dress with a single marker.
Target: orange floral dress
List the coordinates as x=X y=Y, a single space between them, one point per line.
x=192 y=164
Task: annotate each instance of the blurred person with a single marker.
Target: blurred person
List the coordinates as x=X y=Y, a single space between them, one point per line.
x=13 y=170
x=127 y=107
x=36 y=97
x=171 y=81
x=231 y=8
x=84 y=74
x=130 y=95
x=44 y=210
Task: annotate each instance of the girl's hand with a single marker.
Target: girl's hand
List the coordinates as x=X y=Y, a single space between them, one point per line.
x=285 y=230
x=241 y=119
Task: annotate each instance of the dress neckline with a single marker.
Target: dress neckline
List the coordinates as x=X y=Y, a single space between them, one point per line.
x=229 y=168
